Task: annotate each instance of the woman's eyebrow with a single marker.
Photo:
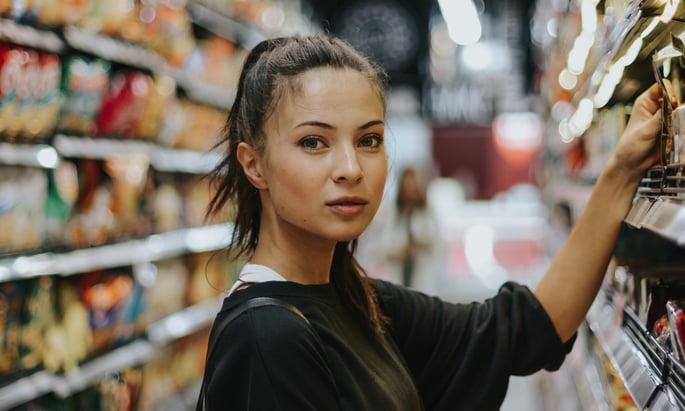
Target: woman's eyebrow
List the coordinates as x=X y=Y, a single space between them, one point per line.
x=331 y=127
x=315 y=124
x=371 y=124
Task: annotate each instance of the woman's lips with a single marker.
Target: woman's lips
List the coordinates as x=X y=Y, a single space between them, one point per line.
x=347 y=206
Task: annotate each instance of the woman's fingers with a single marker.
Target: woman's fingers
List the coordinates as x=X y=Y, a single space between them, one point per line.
x=647 y=104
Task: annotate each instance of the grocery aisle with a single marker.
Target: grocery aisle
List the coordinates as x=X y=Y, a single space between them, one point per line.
x=484 y=244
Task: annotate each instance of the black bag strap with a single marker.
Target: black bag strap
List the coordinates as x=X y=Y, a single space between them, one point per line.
x=232 y=315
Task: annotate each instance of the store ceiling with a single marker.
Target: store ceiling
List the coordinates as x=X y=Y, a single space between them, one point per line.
x=396 y=32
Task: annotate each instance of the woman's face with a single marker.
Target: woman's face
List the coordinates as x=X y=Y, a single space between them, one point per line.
x=325 y=162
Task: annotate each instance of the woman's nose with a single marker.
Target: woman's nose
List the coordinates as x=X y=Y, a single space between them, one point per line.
x=347 y=167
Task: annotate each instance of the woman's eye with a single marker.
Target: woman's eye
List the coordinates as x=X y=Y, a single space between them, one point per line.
x=371 y=141
x=311 y=143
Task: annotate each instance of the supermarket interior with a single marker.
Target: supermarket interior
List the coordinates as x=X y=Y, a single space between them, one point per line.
x=500 y=113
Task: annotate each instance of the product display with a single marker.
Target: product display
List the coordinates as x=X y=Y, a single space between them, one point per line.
x=110 y=272
x=597 y=58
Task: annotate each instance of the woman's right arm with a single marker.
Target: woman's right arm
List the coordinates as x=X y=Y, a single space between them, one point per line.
x=570 y=285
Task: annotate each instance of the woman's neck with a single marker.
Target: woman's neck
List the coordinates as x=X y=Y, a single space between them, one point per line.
x=294 y=261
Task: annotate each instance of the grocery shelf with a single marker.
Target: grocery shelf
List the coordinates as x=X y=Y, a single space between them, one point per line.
x=112 y=49
x=161 y=158
x=28 y=155
x=140 y=57
x=97 y=369
x=224 y=26
x=26 y=389
x=640 y=380
x=44 y=382
x=170 y=328
x=24 y=35
x=152 y=248
x=183 y=323
x=651 y=375
x=664 y=216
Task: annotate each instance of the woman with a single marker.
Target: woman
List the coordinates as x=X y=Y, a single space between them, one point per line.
x=305 y=171
x=409 y=238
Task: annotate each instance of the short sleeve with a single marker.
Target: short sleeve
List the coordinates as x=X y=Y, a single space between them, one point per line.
x=462 y=355
x=258 y=358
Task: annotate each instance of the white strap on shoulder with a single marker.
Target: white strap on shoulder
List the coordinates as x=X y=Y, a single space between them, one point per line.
x=255 y=273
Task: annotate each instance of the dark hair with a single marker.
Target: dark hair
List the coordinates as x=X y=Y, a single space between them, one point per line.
x=400 y=200
x=269 y=68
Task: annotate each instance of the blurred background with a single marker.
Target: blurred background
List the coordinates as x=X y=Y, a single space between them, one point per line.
x=501 y=115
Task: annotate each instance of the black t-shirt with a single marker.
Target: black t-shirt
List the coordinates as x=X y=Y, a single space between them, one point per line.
x=434 y=356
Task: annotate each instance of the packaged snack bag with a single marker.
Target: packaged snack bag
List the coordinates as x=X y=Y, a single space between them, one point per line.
x=11 y=302
x=38 y=315
x=84 y=83
x=123 y=106
x=11 y=77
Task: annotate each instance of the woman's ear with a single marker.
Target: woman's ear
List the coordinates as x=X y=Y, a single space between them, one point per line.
x=248 y=159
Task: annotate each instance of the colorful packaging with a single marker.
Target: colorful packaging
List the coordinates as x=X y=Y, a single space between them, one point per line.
x=38 y=315
x=676 y=319
x=22 y=209
x=164 y=291
x=167 y=205
x=63 y=189
x=168 y=32
x=123 y=106
x=92 y=222
x=11 y=302
x=84 y=83
x=107 y=297
x=678 y=124
x=107 y=16
x=46 y=97
x=127 y=181
x=12 y=62
x=190 y=125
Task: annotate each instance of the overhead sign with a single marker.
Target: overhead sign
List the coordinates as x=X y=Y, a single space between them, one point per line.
x=466 y=103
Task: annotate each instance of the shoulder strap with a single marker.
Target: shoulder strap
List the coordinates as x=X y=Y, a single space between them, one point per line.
x=232 y=315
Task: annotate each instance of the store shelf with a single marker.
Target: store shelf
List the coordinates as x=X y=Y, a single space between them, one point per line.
x=224 y=26
x=137 y=56
x=21 y=34
x=654 y=378
x=44 y=382
x=112 y=49
x=171 y=328
x=28 y=155
x=153 y=248
x=662 y=215
x=183 y=323
x=26 y=389
x=640 y=380
x=161 y=158
x=95 y=370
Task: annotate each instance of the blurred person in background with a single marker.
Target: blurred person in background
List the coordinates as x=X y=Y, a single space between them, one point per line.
x=411 y=237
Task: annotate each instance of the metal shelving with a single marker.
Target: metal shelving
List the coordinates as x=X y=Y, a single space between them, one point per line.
x=152 y=248
x=650 y=374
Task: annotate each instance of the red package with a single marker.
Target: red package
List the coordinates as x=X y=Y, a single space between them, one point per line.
x=12 y=86
x=676 y=319
x=123 y=107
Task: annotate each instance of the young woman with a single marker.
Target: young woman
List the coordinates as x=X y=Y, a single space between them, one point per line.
x=305 y=171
